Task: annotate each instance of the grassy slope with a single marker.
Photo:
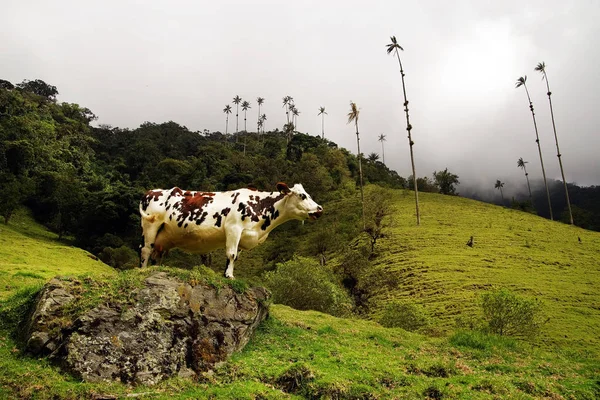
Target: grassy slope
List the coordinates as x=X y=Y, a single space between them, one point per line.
x=431 y=264
x=31 y=254
x=360 y=359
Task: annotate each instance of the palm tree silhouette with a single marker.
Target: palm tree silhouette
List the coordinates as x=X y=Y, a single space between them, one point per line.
x=499 y=185
x=393 y=48
x=373 y=157
x=236 y=100
x=227 y=111
x=287 y=101
x=521 y=82
x=295 y=114
x=521 y=164
x=382 y=139
x=245 y=107
x=262 y=120
x=322 y=113
x=353 y=117
x=541 y=67
x=260 y=102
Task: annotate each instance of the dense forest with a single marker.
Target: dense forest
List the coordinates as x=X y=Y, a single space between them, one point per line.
x=84 y=182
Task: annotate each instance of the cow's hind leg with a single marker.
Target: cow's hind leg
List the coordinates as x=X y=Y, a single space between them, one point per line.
x=231 y=249
x=150 y=229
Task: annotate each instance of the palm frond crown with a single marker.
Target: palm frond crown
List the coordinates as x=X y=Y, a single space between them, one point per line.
x=353 y=114
x=394 y=45
x=521 y=81
x=541 y=67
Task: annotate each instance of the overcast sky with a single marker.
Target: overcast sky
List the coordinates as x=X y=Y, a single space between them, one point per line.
x=136 y=61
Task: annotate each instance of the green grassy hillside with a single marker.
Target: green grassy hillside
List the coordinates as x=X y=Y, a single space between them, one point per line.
x=30 y=254
x=432 y=265
x=312 y=355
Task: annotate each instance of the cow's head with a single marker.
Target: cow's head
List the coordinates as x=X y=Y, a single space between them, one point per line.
x=299 y=203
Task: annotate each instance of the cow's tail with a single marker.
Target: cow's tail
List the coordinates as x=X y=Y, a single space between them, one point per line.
x=145 y=215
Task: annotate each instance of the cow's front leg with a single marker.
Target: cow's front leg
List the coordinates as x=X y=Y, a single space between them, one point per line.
x=233 y=235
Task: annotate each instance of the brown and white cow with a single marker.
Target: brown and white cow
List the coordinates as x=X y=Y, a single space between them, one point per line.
x=200 y=222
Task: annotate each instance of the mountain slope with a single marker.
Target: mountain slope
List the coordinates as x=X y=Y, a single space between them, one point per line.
x=432 y=265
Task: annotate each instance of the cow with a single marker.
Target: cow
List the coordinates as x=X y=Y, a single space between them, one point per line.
x=200 y=222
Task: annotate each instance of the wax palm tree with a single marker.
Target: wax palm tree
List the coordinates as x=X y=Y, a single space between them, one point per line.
x=227 y=111
x=260 y=102
x=322 y=113
x=263 y=119
x=245 y=107
x=393 y=48
x=353 y=117
x=521 y=164
x=499 y=185
x=295 y=114
x=236 y=100
x=373 y=157
x=522 y=82
x=287 y=101
x=382 y=139
x=541 y=67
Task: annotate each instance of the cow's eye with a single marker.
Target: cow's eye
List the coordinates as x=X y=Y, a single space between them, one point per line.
x=303 y=196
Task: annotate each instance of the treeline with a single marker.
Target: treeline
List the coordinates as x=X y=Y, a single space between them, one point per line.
x=85 y=182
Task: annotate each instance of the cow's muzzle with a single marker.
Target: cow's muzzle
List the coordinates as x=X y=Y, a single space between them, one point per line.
x=316 y=214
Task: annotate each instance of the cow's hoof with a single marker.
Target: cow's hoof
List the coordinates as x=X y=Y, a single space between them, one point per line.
x=229 y=276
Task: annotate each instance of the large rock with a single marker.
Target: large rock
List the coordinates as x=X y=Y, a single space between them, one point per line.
x=172 y=328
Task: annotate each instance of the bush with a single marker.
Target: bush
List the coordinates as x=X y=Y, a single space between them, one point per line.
x=407 y=316
x=508 y=314
x=121 y=258
x=303 y=284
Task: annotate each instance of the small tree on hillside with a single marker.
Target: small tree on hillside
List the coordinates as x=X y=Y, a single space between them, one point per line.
x=521 y=164
x=445 y=181
x=377 y=207
x=499 y=185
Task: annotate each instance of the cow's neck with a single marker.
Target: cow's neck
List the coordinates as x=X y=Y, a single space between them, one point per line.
x=283 y=216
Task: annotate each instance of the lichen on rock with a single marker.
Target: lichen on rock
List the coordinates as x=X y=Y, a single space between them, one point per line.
x=171 y=328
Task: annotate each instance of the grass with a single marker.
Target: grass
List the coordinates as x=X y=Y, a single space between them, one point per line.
x=31 y=254
x=308 y=354
x=431 y=265
x=311 y=355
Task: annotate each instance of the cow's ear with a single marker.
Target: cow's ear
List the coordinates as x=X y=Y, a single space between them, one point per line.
x=283 y=188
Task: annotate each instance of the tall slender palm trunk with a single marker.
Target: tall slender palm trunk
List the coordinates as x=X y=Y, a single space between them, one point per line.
x=322 y=126
x=537 y=140
x=226 y=125
x=360 y=174
x=410 y=142
x=528 y=186
x=258 y=121
x=382 y=153
x=562 y=172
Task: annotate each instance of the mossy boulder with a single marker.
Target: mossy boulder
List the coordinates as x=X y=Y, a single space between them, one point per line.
x=166 y=328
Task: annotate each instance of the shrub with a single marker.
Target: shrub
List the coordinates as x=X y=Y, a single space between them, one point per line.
x=303 y=284
x=121 y=258
x=407 y=316
x=508 y=314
